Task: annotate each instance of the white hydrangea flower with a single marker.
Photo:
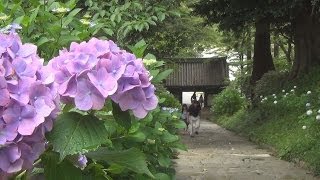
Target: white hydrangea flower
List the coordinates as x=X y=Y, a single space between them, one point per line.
x=295 y=87
x=275 y=97
x=87 y=16
x=292 y=90
x=84 y=21
x=149 y=62
x=275 y=102
x=287 y=94
x=319 y=111
x=60 y=10
x=261 y=96
x=4 y=17
x=273 y=94
x=109 y=113
x=318 y=117
x=308 y=105
x=309 y=92
x=309 y=112
x=304 y=127
x=92 y=24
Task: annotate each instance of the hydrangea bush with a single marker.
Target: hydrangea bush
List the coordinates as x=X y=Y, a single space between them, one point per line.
x=28 y=104
x=92 y=78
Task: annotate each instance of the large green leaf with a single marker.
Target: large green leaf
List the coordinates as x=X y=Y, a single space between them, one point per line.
x=132 y=159
x=122 y=117
x=137 y=136
x=139 y=48
x=169 y=138
x=164 y=161
x=179 y=124
x=42 y=41
x=34 y=15
x=74 y=133
x=161 y=76
x=67 y=20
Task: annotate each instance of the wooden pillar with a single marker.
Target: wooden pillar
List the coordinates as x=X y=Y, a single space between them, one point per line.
x=179 y=94
x=205 y=99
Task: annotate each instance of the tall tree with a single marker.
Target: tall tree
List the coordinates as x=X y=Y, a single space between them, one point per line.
x=235 y=15
x=306 y=35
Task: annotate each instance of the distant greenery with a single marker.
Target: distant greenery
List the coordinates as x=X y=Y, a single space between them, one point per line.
x=52 y=24
x=228 y=102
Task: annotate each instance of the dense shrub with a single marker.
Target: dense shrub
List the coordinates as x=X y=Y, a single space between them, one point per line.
x=170 y=100
x=281 y=64
x=270 y=83
x=227 y=102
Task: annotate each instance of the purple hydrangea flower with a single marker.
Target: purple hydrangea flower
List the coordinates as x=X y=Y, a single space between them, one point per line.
x=4 y=93
x=139 y=100
x=28 y=104
x=90 y=72
x=21 y=154
x=103 y=82
x=79 y=160
x=88 y=97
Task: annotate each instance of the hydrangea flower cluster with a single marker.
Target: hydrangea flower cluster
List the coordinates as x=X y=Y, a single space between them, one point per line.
x=92 y=71
x=28 y=104
x=170 y=109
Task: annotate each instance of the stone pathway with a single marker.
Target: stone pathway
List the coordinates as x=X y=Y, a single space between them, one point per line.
x=218 y=154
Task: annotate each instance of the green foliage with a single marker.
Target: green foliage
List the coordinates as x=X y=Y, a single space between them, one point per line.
x=184 y=37
x=227 y=102
x=162 y=76
x=51 y=29
x=169 y=99
x=281 y=64
x=47 y=29
x=270 y=83
x=54 y=170
x=74 y=133
x=139 y=48
x=123 y=17
x=132 y=159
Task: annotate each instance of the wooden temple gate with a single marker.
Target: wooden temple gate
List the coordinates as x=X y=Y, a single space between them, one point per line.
x=208 y=75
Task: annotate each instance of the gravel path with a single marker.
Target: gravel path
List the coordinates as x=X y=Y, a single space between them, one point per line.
x=220 y=154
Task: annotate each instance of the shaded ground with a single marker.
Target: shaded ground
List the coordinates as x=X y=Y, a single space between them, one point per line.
x=220 y=154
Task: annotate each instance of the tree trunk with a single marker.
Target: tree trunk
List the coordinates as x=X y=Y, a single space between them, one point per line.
x=306 y=38
x=262 y=59
x=303 y=45
x=276 y=47
x=289 y=54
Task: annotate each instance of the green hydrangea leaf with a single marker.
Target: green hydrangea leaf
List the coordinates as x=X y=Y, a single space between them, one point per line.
x=75 y=133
